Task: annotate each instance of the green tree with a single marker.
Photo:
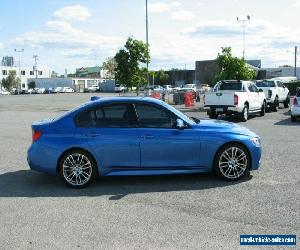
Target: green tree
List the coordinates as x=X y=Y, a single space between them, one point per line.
x=11 y=81
x=109 y=66
x=31 y=85
x=232 y=68
x=128 y=59
x=161 y=78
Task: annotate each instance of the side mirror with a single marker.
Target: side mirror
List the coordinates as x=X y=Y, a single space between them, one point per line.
x=260 y=90
x=180 y=124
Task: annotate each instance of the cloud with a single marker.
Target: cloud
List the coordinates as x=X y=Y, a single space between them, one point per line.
x=163 y=6
x=74 y=12
x=183 y=15
x=297 y=4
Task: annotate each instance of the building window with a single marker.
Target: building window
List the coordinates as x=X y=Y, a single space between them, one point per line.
x=40 y=73
x=23 y=72
x=4 y=72
x=31 y=72
x=23 y=85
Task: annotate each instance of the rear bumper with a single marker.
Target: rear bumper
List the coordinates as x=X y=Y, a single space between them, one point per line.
x=295 y=110
x=223 y=109
x=42 y=159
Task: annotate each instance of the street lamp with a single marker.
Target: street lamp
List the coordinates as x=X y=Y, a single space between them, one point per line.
x=243 y=22
x=19 y=53
x=295 y=60
x=147 y=41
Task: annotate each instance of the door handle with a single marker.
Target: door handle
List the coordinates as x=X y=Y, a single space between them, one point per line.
x=93 y=134
x=148 y=137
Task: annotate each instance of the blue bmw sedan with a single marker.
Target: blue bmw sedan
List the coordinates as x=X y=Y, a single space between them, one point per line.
x=139 y=136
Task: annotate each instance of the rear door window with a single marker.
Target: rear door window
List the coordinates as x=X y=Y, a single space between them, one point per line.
x=111 y=116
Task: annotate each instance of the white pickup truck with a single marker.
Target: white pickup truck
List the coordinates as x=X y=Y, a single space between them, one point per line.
x=235 y=97
x=275 y=92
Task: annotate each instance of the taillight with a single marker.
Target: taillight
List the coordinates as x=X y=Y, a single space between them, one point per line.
x=203 y=99
x=236 y=100
x=270 y=93
x=36 y=135
x=295 y=101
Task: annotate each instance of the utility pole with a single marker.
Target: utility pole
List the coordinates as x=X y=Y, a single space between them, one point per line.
x=147 y=41
x=35 y=65
x=295 y=70
x=19 y=53
x=243 y=22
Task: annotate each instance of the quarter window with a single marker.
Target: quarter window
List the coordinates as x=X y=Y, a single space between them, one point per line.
x=153 y=117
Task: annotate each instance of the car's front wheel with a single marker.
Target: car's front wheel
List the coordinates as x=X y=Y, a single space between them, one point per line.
x=77 y=168
x=232 y=162
x=287 y=101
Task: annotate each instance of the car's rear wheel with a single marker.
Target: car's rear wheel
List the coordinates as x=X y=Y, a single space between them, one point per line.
x=77 y=168
x=275 y=105
x=232 y=162
x=293 y=118
x=287 y=102
x=263 y=109
x=212 y=114
x=244 y=115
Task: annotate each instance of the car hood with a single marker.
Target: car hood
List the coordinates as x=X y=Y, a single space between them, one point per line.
x=218 y=126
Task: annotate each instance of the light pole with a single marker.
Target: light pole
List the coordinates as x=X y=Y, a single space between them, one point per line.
x=243 y=22
x=35 y=65
x=295 y=60
x=147 y=41
x=19 y=53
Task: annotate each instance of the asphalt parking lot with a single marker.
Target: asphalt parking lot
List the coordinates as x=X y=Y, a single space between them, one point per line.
x=38 y=211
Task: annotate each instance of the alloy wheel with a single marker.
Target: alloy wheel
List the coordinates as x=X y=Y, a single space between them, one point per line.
x=77 y=169
x=233 y=163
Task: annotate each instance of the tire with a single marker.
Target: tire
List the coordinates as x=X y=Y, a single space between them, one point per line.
x=81 y=175
x=287 y=102
x=263 y=109
x=212 y=114
x=293 y=118
x=232 y=162
x=244 y=115
x=275 y=105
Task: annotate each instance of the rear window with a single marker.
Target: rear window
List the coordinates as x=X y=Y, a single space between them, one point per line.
x=231 y=86
x=265 y=84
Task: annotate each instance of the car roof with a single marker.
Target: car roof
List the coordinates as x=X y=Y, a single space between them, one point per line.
x=125 y=99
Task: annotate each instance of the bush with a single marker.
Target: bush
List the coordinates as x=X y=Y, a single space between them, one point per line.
x=292 y=86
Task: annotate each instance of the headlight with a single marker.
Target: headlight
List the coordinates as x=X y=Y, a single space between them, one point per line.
x=255 y=141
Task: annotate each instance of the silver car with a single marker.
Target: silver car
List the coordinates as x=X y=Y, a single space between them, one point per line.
x=295 y=109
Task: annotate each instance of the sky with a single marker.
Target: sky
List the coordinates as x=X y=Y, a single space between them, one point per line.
x=67 y=34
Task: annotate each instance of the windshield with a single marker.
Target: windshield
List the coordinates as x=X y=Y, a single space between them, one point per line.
x=265 y=84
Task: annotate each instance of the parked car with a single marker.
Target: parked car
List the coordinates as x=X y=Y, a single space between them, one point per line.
x=295 y=108
x=4 y=92
x=120 y=88
x=33 y=91
x=59 y=89
x=235 y=97
x=190 y=86
x=41 y=90
x=159 y=89
x=275 y=92
x=49 y=91
x=68 y=90
x=93 y=88
x=83 y=143
x=169 y=88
